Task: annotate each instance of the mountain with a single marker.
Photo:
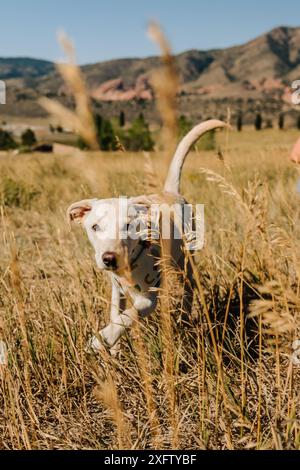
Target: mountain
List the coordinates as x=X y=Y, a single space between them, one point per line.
x=252 y=76
x=11 y=68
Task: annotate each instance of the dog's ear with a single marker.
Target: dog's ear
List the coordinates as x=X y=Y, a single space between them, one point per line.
x=79 y=210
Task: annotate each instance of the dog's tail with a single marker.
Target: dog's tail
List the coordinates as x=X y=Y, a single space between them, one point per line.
x=172 y=184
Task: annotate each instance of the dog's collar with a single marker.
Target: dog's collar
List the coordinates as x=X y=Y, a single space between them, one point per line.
x=143 y=244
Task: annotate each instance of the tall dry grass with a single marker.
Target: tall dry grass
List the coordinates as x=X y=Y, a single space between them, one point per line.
x=222 y=378
x=80 y=120
x=233 y=383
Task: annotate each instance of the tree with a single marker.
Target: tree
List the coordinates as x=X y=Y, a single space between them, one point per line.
x=281 y=121
x=207 y=142
x=138 y=137
x=107 y=139
x=239 y=122
x=98 y=125
x=258 y=122
x=122 y=119
x=141 y=117
x=105 y=135
x=6 y=141
x=184 y=126
x=28 y=138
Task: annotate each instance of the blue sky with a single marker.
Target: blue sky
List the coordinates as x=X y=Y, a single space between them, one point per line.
x=107 y=29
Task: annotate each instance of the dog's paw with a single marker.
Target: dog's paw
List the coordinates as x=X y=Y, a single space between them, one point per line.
x=95 y=346
x=115 y=350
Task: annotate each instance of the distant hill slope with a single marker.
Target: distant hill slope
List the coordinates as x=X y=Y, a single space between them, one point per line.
x=260 y=71
x=24 y=68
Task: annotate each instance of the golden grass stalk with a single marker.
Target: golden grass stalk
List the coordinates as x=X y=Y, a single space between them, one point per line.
x=81 y=121
x=152 y=182
x=166 y=85
x=64 y=297
x=107 y=393
x=168 y=342
x=144 y=363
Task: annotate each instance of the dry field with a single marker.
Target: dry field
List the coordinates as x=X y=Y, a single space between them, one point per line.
x=224 y=380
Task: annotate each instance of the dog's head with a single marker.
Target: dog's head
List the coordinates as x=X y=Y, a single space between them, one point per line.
x=117 y=229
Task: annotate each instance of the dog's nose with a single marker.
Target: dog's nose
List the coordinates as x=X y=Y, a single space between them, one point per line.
x=110 y=259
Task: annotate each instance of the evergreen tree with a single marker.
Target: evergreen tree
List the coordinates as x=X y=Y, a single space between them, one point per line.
x=28 y=138
x=207 y=142
x=105 y=133
x=98 y=125
x=258 y=122
x=239 y=122
x=6 y=141
x=122 y=119
x=107 y=136
x=138 y=137
x=281 y=121
x=184 y=126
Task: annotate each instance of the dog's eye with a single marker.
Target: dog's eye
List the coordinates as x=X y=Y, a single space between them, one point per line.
x=96 y=228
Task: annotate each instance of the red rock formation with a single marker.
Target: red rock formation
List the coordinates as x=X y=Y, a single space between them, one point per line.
x=115 y=90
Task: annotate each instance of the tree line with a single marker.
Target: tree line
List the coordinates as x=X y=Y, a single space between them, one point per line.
x=113 y=135
x=7 y=141
x=261 y=123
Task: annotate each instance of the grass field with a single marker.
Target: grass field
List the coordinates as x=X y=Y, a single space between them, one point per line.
x=231 y=384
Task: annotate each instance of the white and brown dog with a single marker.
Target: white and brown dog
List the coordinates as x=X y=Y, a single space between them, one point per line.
x=121 y=248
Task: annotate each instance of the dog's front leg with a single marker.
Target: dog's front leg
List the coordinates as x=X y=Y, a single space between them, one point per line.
x=117 y=306
x=142 y=306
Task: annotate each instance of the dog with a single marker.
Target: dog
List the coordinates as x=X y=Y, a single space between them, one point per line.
x=132 y=261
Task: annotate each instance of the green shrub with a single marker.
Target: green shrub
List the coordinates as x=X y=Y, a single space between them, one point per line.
x=105 y=135
x=184 y=126
x=28 y=138
x=16 y=193
x=207 y=141
x=138 y=136
x=6 y=141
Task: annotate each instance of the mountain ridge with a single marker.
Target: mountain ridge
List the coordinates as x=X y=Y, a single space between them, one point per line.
x=256 y=73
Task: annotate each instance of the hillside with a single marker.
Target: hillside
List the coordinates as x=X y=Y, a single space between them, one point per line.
x=258 y=73
x=26 y=68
